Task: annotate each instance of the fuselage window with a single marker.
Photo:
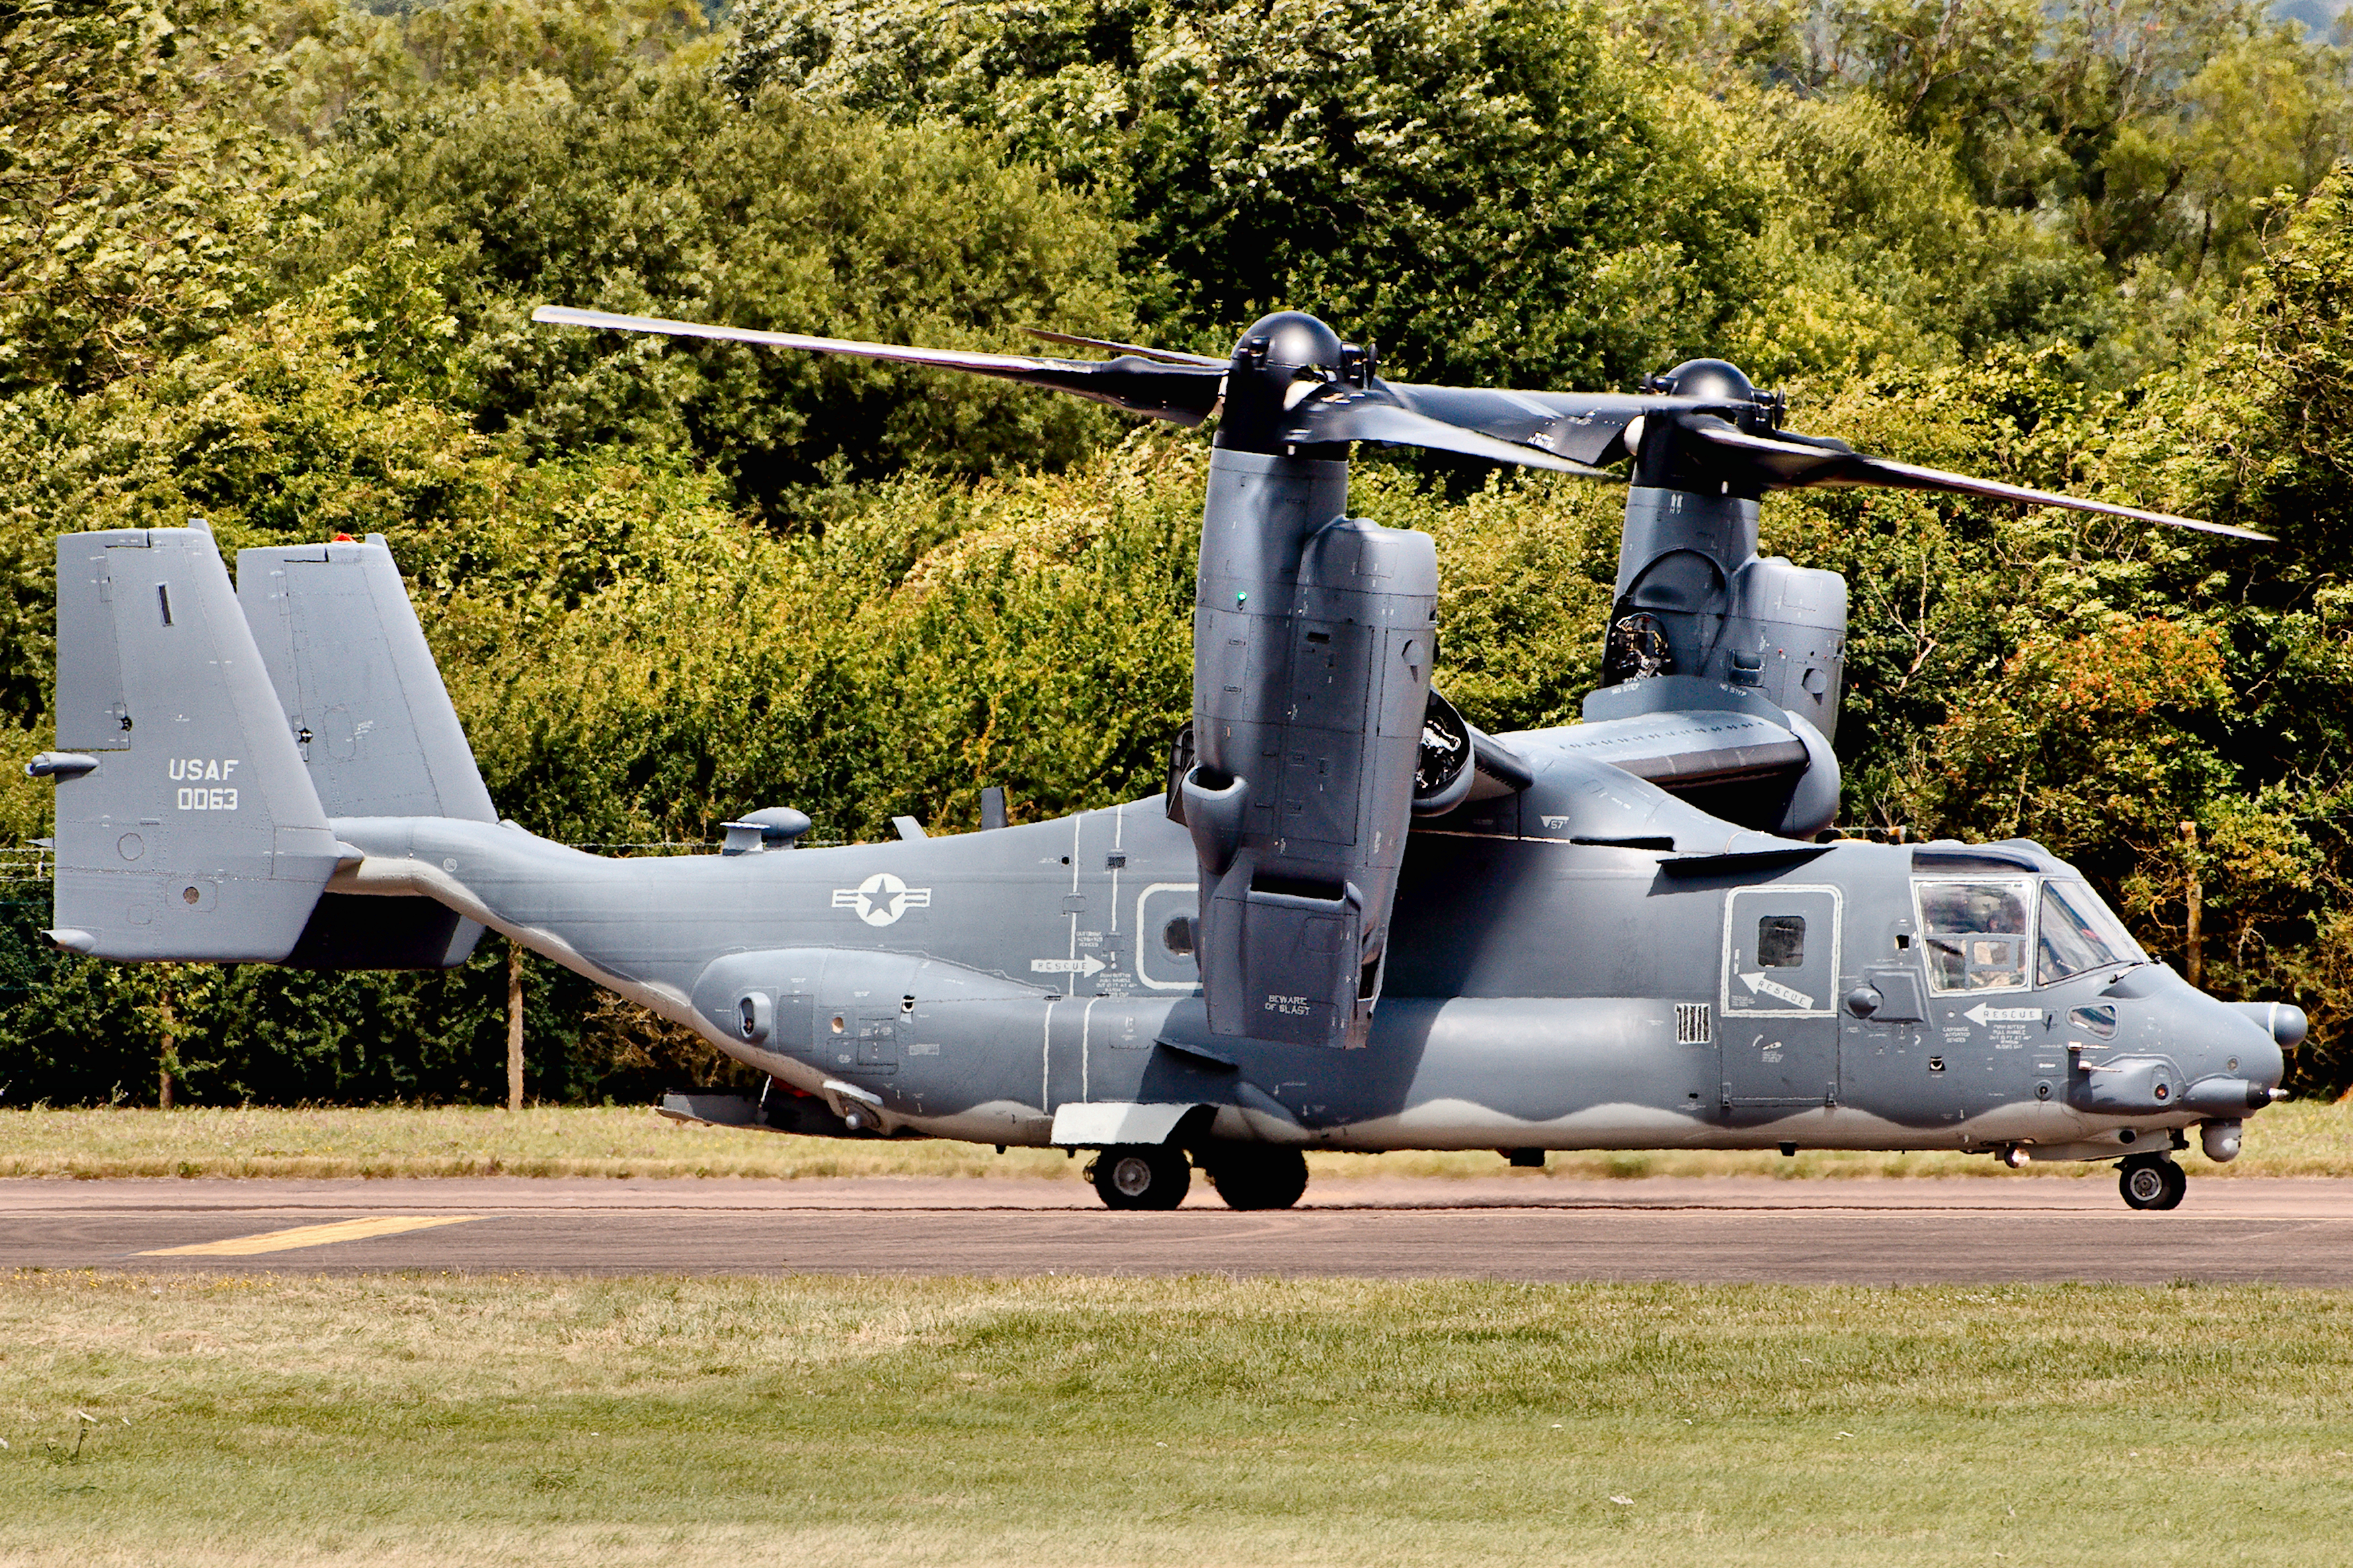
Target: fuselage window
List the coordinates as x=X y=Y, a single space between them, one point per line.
x=1976 y=933
x=1781 y=941
x=2077 y=933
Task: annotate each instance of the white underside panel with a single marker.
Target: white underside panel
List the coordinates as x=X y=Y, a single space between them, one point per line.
x=1099 y=1124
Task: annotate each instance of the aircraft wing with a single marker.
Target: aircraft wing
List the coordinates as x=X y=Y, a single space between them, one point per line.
x=1681 y=750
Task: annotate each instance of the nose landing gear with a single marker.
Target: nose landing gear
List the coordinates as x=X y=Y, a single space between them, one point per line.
x=2152 y=1182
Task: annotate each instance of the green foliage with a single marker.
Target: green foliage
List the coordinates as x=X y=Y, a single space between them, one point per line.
x=2143 y=127
x=1033 y=633
x=1480 y=188
x=79 y=1031
x=1874 y=253
x=271 y=262
x=624 y=183
x=129 y=215
x=1519 y=190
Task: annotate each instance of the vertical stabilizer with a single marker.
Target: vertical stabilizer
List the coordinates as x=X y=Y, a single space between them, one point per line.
x=359 y=688
x=375 y=725
x=187 y=827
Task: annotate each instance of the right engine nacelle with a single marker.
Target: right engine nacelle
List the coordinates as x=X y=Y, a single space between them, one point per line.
x=1694 y=599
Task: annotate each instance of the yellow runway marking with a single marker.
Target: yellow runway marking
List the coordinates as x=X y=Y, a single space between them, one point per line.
x=309 y=1235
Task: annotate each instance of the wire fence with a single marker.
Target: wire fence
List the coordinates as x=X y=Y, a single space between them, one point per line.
x=26 y=863
x=37 y=862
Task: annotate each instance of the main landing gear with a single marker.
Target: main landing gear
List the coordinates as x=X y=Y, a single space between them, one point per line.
x=1256 y=1178
x=1141 y=1177
x=1157 y=1175
x=2152 y=1182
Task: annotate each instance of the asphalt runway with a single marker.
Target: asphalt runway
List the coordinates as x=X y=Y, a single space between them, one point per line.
x=1968 y=1230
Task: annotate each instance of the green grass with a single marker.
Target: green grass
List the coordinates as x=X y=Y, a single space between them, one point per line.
x=2297 y=1139
x=276 y=1420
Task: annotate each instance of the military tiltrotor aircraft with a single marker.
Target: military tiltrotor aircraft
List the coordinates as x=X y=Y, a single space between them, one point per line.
x=1353 y=921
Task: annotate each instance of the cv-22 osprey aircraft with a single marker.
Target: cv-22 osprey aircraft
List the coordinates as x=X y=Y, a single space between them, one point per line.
x=1352 y=921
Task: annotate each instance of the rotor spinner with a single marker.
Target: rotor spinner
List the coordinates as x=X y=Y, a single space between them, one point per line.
x=1277 y=362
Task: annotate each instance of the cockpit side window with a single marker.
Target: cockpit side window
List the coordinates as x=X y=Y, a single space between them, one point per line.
x=2078 y=932
x=1976 y=933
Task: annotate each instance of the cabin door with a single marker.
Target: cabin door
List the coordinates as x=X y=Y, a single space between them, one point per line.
x=1780 y=1019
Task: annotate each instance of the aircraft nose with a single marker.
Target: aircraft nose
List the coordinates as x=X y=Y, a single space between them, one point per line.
x=2232 y=1055
x=2281 y=1025
x=2237 y=1070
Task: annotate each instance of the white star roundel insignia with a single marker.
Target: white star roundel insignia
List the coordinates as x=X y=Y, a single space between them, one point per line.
x=881 y=898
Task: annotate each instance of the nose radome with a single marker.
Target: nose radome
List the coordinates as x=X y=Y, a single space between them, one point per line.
x=2283 y=1021
x=2241 y=1040
x=2264 y=1066
x=2226 y=1052
x=2265 y=1028
x=2233 y=1061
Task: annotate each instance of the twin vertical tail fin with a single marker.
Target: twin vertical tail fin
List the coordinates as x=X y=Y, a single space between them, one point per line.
x=360 y=695
x=187 y=826
x=376 y=727
x=198 y=764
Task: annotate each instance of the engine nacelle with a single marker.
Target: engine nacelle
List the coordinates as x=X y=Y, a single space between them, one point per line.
x=1694 y=599
x=1313 y=638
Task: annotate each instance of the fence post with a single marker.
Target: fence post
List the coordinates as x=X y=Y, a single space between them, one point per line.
x=164 y=1058
x=514 y=1025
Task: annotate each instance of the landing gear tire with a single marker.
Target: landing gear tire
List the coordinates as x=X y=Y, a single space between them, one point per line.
x=1250 y=1178
x=2153 y=1181
x=1141 y=1177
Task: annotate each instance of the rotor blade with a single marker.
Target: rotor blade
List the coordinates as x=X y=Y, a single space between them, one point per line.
x=1183 y=395
x=1905 y=476
x=1804 y=464
x=1166 y=356
x=1586 y=428
x=1373 y=414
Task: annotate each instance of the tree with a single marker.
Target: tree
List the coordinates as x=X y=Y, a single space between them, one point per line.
x=128 y=212
x=1479 y=187
x=647 y=189
x=2137 y=139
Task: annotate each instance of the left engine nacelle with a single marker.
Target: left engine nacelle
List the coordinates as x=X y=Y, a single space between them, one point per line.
x=1312 y=647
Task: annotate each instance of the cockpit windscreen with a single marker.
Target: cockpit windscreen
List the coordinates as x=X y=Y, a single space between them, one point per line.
x=2079 y=933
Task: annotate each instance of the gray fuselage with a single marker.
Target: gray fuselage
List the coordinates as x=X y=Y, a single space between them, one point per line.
x=1578 y=966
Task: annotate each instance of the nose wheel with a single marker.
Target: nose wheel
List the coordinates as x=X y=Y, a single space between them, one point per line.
x=2152 y=1182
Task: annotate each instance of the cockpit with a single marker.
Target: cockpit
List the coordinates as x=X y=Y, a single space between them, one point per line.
x=1984 y=934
